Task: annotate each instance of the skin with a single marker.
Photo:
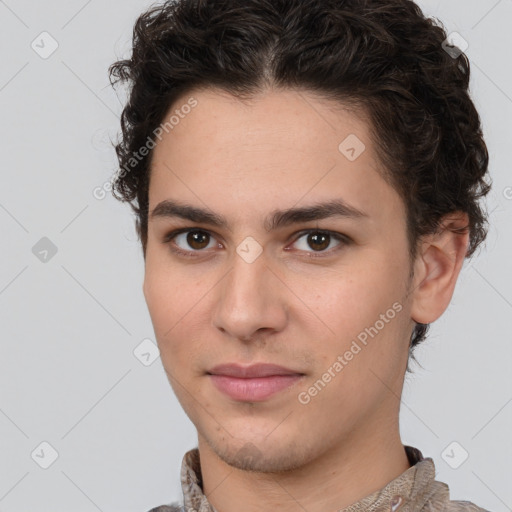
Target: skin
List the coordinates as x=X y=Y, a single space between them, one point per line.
x=244 y=161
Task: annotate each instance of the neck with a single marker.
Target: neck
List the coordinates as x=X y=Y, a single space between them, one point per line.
x=337 y=478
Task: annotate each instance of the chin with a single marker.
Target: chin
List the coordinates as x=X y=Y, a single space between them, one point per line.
x=261 y=454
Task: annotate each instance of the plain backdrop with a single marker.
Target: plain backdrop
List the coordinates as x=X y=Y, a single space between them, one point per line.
x=86 y=424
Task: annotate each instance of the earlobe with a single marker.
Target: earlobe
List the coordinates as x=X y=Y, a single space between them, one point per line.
x=437 y=267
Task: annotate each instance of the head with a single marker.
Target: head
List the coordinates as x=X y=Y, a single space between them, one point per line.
x=246 y=123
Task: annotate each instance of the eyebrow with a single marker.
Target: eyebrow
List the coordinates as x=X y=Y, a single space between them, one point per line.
x=277 y=219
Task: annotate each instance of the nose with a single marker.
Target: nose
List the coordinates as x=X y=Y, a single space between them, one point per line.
x=250 y=300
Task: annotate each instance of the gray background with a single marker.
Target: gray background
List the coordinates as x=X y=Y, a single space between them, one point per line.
x=70 y=325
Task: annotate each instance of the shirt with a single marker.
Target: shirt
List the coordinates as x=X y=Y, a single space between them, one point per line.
x=414 y=490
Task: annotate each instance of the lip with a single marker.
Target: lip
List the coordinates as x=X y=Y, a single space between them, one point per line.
x=251 y=371
x=253 y=383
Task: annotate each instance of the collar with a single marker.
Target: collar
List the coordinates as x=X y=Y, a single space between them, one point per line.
x=409 y=492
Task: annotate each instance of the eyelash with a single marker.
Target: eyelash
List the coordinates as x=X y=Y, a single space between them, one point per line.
x=343 y=239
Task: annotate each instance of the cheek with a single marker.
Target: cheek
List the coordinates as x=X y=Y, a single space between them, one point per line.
x=361 y=305
x=352 y=299
x=168 y=291
x=177 y=307
x=166 y=302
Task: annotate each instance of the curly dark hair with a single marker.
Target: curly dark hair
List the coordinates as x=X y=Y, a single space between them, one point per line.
x=381 y=57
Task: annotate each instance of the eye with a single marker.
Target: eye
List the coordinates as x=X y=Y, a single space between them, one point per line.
x=182 y=240
x=319 y=241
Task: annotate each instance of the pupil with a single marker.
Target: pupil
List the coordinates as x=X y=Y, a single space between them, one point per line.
x=194 y=237
x=314 y=238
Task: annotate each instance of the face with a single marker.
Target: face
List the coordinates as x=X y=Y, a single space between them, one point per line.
x=319 y=291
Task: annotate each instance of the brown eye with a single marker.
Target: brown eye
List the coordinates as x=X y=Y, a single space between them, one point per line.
x=318 y=241
x=197 y=239
x=189 y=241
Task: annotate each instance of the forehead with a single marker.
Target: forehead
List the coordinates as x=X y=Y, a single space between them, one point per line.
x=271 y=120
x=281 y=147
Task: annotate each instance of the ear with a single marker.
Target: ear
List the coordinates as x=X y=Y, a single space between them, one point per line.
x=437 y=267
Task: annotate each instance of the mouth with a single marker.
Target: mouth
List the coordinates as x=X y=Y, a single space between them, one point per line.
x=253 y=383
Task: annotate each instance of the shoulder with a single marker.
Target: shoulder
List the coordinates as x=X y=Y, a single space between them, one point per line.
x=433 y=495
x=173 y=507
x=462 y=506
x=439 y=501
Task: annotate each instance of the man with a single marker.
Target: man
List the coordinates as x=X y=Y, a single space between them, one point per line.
x=305 y=177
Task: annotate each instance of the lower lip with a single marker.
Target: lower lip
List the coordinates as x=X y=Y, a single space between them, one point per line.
x=253 y=390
